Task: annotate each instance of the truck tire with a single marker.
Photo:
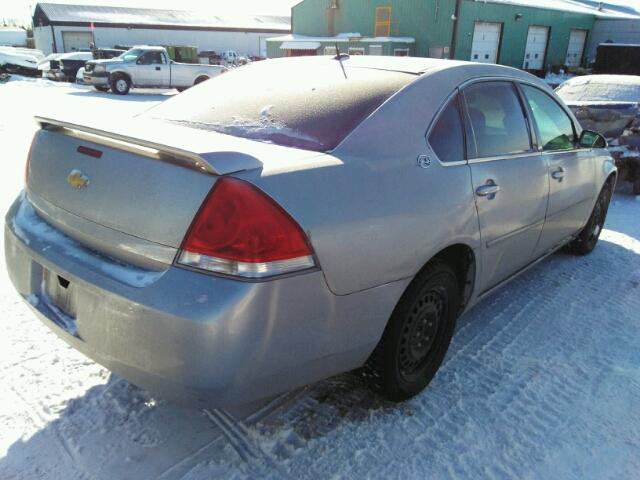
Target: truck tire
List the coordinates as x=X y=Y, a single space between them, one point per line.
x=101 y=88
x=201 y=79
x=120 y=84
x=418 y=334
x=636 y=184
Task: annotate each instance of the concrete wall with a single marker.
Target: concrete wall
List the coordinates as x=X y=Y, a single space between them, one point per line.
x=249 y=43
x=617 y=31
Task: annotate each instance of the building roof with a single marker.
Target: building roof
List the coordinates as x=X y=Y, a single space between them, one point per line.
x=340 y=38
x=57 y=13
x=589 y=7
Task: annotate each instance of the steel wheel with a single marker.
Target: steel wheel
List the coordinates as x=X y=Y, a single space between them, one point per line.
x=121 y=85
x=418 y=334
x=420 y=331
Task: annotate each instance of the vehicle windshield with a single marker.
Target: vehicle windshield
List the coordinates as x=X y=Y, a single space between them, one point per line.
x=303 y=104
x=599 y=91
x=131 y=55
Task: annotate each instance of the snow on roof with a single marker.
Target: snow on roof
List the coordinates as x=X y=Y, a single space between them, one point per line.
x=341 y=38
x=587 y=7
x=59 y=13
x=606 y=79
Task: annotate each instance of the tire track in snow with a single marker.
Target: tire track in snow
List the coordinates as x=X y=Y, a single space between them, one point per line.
x=239 y=437
x=185 y=464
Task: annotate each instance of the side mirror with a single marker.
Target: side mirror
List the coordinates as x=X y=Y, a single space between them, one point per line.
x=139 y=61
x=589 y=139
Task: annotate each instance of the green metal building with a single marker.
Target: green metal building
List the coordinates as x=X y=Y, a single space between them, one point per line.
x=529 y=34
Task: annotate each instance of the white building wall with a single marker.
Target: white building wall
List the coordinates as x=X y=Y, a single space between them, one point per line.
x=617 y=31
x=13 y=37
x=43 y=39
x=245 y=43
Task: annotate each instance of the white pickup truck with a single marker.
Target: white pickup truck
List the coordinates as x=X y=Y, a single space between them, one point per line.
x=147 y=67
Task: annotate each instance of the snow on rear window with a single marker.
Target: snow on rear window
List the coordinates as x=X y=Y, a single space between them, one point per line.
x=308 y=105
x=599 y=90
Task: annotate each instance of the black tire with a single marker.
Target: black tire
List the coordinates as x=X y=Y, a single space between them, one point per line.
x=120 y=84
x=200 y=80
x=181 y=89
x=101 y=88
x=418 y=334
x=636 y=183
x=587 y=239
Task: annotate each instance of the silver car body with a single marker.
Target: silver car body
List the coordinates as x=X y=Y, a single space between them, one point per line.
x=164 y=74
x=376 y=209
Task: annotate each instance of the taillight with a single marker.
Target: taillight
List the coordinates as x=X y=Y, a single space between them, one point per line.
x=241 y=231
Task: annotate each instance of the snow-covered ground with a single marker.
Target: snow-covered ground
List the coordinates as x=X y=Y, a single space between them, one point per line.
x=542 y=380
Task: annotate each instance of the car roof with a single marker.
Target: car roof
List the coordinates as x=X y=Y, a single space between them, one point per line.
x=412 y=65
x=608 y=79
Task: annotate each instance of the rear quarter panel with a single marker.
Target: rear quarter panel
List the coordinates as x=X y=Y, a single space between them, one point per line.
x=375 y=216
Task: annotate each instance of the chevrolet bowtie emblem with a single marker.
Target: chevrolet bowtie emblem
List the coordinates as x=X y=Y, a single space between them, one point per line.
x=77 y=179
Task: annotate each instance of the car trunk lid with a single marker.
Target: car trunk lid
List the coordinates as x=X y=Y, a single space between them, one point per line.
x=95 y=182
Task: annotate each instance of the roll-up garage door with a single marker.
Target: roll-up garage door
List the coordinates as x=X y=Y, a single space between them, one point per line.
x=486 y=42
x=577 y=39
x=536 y=48
x=76 y=41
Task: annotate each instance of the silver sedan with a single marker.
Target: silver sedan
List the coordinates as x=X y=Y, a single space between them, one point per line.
x=298 y=218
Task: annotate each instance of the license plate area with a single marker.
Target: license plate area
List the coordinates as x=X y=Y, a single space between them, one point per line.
x=60 y=297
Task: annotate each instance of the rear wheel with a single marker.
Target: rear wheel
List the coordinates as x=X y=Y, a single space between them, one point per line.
x=101 y=88
x=418 y=334
x=201 y=79
x=120 y=84
x=636 y=183
x=587 y=239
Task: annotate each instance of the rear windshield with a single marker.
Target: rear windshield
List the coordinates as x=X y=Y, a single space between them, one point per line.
x=588 y=91
x=302 y=104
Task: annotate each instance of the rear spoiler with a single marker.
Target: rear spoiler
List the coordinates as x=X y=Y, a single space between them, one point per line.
x=119 y=141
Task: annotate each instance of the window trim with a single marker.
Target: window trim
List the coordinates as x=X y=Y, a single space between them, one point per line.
x=382 y=23
x=473 y=157
x=454 y=96
x=534 y=125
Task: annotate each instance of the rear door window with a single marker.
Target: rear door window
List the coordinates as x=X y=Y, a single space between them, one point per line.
x=447 y=137
x=497 y=120
x=555 y=128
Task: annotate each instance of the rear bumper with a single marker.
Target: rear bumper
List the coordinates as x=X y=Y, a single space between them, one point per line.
x=192 y=337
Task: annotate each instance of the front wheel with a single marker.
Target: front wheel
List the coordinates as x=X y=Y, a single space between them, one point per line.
x=587 y=239
x=120 y=84
x=418 y=334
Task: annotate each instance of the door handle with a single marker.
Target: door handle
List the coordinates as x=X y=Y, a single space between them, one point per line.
x=158 y=68
x=489 y=190
x=558 y=174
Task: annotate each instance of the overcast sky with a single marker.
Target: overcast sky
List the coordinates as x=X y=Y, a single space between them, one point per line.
x=22 y=9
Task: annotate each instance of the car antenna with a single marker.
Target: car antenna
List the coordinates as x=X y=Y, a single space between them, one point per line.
x=339 y=58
